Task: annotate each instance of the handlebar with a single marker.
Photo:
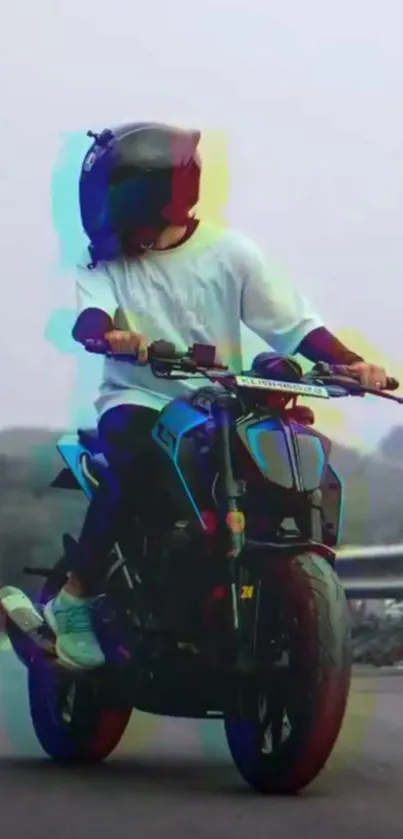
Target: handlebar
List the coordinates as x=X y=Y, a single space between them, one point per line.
x=196 y=358
x=164 y=358
x=342 y=371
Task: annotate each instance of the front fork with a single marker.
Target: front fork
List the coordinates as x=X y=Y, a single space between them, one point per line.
x=232 y=523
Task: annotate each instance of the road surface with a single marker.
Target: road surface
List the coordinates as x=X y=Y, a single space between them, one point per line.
x=175 y=778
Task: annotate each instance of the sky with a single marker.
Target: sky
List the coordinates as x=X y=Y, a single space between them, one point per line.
x=308 y=97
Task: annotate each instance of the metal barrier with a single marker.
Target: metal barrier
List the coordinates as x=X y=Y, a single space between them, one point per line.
x=371 y=573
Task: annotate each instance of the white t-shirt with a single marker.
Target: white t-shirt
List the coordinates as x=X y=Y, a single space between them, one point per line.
x=200 y=291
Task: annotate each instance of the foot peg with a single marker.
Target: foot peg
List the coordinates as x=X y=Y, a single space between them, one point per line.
x=69 y=545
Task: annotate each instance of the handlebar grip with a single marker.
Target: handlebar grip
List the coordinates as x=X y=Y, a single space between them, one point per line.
x=97 y=346
x=392 y=384
x=158 y=350
x=101 y=347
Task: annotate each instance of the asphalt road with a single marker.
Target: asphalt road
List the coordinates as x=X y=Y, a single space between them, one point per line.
x=175 y=778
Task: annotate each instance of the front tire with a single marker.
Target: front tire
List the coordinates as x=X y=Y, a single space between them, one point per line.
x=298 y=738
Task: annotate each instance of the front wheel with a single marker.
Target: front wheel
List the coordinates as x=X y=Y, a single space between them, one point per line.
x=287 y=723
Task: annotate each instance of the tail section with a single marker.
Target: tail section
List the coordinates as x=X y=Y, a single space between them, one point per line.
x=65 y=480
x=74 y=455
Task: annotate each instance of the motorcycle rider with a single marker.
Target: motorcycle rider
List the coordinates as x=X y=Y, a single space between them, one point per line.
x=157 y=271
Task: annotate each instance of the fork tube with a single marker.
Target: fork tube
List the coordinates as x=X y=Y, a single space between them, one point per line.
x=234 y=538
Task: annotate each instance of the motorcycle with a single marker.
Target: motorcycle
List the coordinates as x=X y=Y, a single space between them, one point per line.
x=222 y=600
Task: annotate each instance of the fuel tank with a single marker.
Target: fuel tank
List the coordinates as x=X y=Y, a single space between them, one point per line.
x=183 y=438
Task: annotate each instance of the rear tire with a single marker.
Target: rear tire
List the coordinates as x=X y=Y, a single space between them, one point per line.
x=317 y=680
x=71 y=717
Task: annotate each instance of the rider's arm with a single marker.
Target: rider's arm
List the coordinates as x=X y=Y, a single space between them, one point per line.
x=321 y=345
x=96 y=303
x=273 y=309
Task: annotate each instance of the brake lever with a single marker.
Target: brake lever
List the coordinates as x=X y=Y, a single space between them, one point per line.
x=353 y=388
x=385 y=395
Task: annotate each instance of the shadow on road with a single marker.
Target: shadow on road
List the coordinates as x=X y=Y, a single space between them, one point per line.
x=190 y=776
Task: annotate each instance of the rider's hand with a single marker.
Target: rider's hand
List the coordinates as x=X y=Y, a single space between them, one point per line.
x=369 y=375
x=128 y=343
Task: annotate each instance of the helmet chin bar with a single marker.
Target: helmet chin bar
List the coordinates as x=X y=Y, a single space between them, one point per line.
x=117 y=245
x=146 y=238
x=148 y=247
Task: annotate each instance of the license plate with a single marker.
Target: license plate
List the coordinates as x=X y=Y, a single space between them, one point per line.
x=295 y=388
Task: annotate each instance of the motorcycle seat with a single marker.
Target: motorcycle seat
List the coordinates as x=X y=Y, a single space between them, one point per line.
x=90 y=439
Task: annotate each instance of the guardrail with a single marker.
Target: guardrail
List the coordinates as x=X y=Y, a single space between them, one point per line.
x=371 y=573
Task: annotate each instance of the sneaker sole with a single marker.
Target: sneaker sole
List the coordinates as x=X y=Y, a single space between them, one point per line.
x=20 y=610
